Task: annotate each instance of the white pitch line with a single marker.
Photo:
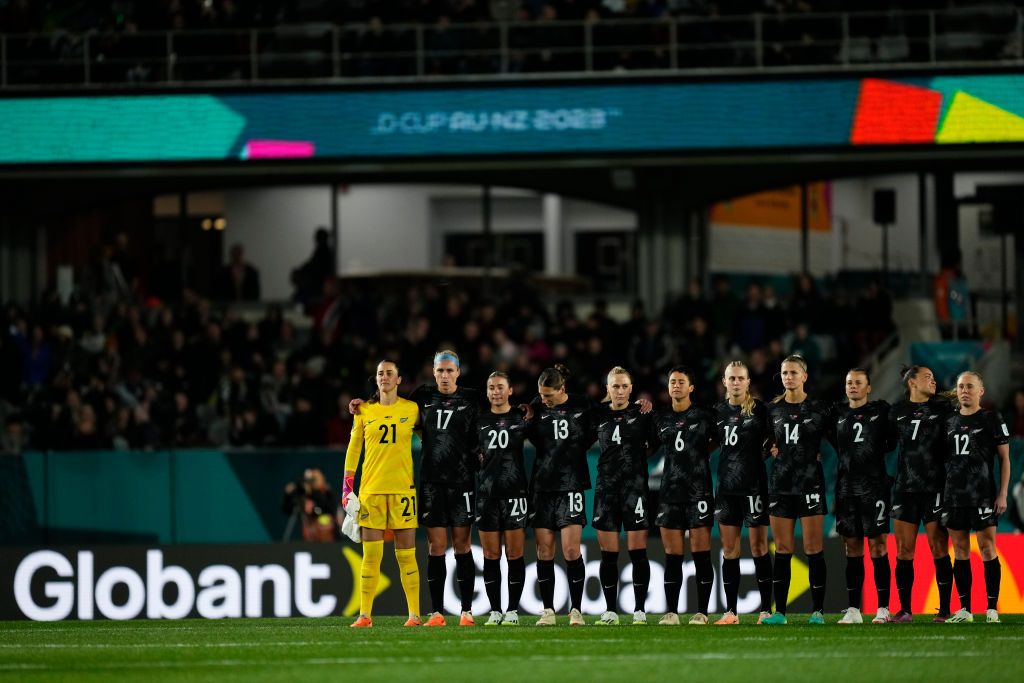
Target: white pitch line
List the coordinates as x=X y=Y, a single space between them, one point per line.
x=335 y=661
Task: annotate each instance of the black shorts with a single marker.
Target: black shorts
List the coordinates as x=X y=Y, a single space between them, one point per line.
x=863 y=515
x=444 y=506
x=969 y=518
x=558 y=509
x=795 y=506
x=740 y=510
x=916 y=508
x=621 y=509
x=690 y=514
x=502 y=513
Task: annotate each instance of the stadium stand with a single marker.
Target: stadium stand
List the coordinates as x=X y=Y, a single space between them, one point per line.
x=93 y=42
x=131 y=371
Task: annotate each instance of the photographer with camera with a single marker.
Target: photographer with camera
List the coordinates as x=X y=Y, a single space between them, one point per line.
x=310 y=500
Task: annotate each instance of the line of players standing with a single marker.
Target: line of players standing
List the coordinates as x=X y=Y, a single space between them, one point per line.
x=472 y=472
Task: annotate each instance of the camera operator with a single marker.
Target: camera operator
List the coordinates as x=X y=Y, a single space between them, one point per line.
x=311 y=500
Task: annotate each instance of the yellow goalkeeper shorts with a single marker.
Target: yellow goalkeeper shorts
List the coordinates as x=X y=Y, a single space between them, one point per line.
x=388 y=511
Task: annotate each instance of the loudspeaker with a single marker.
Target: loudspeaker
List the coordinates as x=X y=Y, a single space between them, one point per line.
x=884 y=206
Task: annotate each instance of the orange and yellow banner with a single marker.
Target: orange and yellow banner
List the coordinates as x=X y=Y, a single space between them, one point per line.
x=778 y=209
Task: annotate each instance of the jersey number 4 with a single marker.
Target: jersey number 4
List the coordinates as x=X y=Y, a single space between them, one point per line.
x=385 y=429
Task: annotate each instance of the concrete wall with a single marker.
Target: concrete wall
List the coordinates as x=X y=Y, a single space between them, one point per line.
x=276 y=225
x=388 y=227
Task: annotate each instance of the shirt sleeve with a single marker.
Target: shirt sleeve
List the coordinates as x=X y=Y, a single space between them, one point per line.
x=355 y=444
x=1000 y=434
x=653 y=435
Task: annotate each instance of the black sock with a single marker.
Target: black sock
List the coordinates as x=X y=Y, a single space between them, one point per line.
x=609 y=575
x=516 y=579
x=763 y=570
x=731 y=582
x=437 y=572
x=577 y=573
x=962 y=573
x=993 y=575
x=641 y=577
x=817 y=575
x=944 y=581
x=546 y=582
x=465 y=576
x=492 y=583
x=705 y=579
x=854 y=580
x=673 y=581
x=780 y=580
x=883 y=579
x=904 y=583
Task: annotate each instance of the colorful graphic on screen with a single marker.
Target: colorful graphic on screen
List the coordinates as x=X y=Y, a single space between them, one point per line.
x=958 y=110
x=568 y=119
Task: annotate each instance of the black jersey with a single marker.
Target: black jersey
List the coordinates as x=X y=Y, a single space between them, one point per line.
x=685 y=436
x=622 y=436
x=971 y=446
x=797 y=430
x=741 y=458
x=921 y=431
x=449 y=435
x=502 y=472
x=862 y=436
x=562 y=435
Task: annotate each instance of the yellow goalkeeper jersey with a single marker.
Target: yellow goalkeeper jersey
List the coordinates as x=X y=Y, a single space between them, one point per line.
x=386 y=434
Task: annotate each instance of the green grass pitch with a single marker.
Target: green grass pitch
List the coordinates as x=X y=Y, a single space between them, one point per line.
x=327 y=650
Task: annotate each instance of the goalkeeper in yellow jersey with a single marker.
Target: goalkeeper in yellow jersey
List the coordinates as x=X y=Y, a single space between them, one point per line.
x=382 y=435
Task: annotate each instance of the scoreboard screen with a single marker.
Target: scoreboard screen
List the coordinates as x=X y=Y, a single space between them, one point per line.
x=566 y=119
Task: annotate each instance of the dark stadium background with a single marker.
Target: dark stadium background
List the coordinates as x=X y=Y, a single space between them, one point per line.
x=587 y=207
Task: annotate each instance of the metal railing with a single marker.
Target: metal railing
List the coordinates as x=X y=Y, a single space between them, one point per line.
x=328 y=52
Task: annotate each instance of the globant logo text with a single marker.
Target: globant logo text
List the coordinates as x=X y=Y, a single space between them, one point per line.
x=219 y=591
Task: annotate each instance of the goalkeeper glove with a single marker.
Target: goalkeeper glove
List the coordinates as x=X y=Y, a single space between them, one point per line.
x=346 y=488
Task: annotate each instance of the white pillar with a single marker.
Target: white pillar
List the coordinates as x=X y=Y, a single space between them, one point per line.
x=554 y=234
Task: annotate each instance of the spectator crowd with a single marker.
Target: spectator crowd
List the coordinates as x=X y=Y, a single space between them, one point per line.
x=116 y=368
x=213 y=40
